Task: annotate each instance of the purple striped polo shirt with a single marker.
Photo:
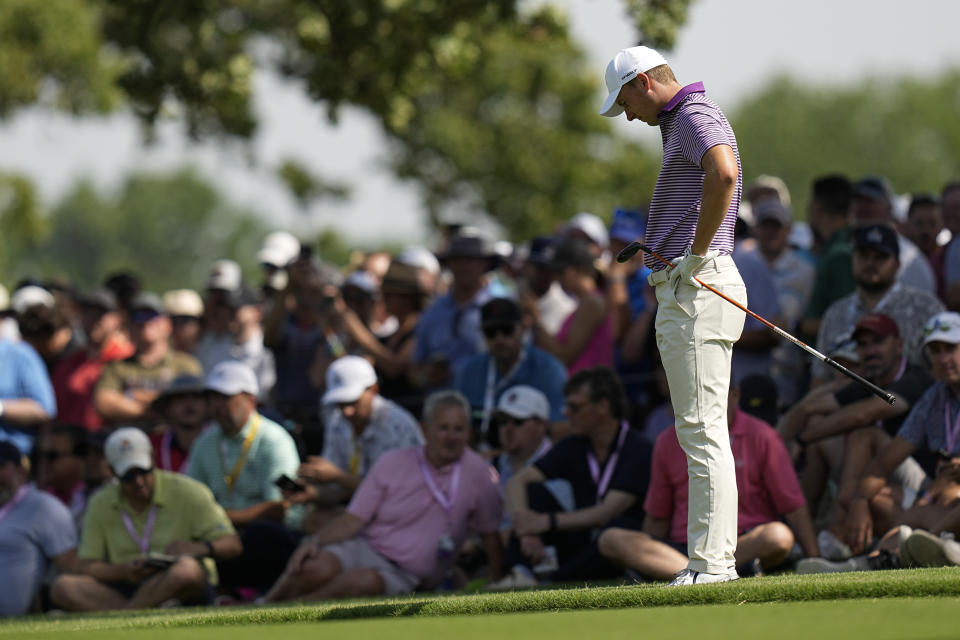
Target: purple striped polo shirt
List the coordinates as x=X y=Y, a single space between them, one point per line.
x=691 y=125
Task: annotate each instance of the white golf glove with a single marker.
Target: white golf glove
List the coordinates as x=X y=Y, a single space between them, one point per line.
x=685 y=268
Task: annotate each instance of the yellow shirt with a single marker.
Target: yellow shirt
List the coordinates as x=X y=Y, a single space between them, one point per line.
x=185 y=510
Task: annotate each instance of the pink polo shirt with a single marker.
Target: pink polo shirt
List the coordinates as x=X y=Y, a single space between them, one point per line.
x=404 y=520
x=766 y=481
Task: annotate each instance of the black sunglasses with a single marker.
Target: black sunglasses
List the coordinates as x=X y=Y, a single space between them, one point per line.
x=491 y=330
x=132 y=474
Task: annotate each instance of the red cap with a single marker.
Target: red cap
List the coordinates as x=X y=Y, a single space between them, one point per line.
x=878 y=323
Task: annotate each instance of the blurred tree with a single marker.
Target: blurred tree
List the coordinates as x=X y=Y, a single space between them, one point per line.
x=504 y=121
x=397 y=59
x=904 y=129
x=306 y=187
x=22 y=222
x=166 y=228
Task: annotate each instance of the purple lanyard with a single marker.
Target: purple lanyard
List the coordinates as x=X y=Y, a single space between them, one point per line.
x=17 y=497
x=144 y=541
x=951 y=428
x=603 y=482
x=446 y=502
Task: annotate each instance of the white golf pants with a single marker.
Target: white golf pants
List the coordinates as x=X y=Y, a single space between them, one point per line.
x=696 y=330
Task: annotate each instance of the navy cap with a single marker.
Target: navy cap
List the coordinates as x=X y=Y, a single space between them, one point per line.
x=500 y=311
x=873 y=188
x=877 y=236
x=10 y=453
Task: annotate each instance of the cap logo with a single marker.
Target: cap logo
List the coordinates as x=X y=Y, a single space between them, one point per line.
x=336 y=380
x=628 y=74
x=935 y=326
x=125 y=445
x=874 y=235
x=512 y=397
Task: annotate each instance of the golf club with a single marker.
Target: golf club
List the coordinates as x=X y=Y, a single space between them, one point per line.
x=631 y=249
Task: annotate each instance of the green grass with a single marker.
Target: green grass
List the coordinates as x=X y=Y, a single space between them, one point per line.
x=922 y=597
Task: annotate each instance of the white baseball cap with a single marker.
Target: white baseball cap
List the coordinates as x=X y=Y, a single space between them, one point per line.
x=419 y=257
x=126 y=448
x=225 y=275
x=232 y=377
x=622 y=69
x=183 y=302
x=523 y=401
x=347 y=378
x=279 y=249
x=30 y=296
x=591 y=226
x=943 y=327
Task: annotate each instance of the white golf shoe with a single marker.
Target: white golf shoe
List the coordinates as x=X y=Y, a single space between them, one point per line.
x=689 y=577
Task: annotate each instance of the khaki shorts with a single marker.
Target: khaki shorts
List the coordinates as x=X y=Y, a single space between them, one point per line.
x=357 y=553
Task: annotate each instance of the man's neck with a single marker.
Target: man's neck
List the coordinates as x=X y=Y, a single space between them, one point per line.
x=771 y=255
x=463 y=294
x=436 y=461
x=519 y=459
x=186 y=435
x=504 y=366
x=152 y=354
x=870 y=299
x=137 y=503
x=602 y=437
x=231 y=431
x=246 y=334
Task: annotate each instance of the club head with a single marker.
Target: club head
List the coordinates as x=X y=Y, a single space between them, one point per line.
x=629 y=251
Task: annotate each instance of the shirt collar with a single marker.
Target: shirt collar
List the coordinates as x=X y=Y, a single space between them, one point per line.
x=696 y=87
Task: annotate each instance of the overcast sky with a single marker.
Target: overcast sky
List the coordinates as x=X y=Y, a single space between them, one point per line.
x=732 y=45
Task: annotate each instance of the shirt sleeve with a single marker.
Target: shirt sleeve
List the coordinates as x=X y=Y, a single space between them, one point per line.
x=209 y=519
x=659 y=500
x=57 y=532
x=952 y=263
x=93 y=541
x=36 y=381
x=110 y=379
x=554 y=379
x=556 y=462
x=779 y=476
x=283 y=459
x=632 y=474
x=914 y=428
x=702 y=130
x=486 y=517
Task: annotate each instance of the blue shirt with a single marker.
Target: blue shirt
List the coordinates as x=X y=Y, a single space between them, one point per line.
x=539 y=369
x=926 y=428
x=23 y=375
x=449 y=332
x=34 y=531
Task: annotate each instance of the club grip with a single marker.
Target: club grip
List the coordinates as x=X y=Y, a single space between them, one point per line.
x=889 y=398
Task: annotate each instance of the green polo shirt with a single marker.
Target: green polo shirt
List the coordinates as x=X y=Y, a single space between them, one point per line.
x=272 y=453
x=834 y=278
x=186 y=510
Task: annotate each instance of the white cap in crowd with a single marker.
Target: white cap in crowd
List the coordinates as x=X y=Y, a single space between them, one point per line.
x=30 y=296
x=280 y=248
x=623 y=68
x=347 y=378
x=225 y=275
x=591 y=226
x=183 y=302
x=126 y=448
x=361 y=280
x=943 y=327
x=524 y=401
x=232 y=377
x=419 y=257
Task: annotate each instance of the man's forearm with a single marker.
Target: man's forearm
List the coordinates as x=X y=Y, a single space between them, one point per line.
x=23 y=411
x=102 y=571
x=515 y=494
x=800 y=522
x=341 y=528
x=271 y=510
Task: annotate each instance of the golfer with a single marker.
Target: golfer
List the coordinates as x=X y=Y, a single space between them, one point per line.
x=691 y=220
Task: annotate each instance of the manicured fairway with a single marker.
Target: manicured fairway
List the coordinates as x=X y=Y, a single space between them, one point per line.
x=912 y=618
x=889 y=604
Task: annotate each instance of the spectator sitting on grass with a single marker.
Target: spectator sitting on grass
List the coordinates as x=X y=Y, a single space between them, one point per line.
x=35 y=532
x=240 y=460
x=361 y=426
x=607 y=465
x=148 y=512
x=407 y=520
x=876 y=506
x=768 y=491
x=62 y=466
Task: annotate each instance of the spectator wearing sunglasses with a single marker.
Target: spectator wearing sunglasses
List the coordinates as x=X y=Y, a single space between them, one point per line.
x=62 y=465
x=128 y=388
x=508 y=362
x=148 y=512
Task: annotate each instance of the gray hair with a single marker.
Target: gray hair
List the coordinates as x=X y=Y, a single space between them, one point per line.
x=443 y=399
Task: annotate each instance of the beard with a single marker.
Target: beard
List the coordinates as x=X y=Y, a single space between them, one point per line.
x=875 y=286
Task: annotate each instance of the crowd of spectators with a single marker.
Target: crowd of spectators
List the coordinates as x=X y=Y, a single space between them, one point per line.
x=482 y=413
